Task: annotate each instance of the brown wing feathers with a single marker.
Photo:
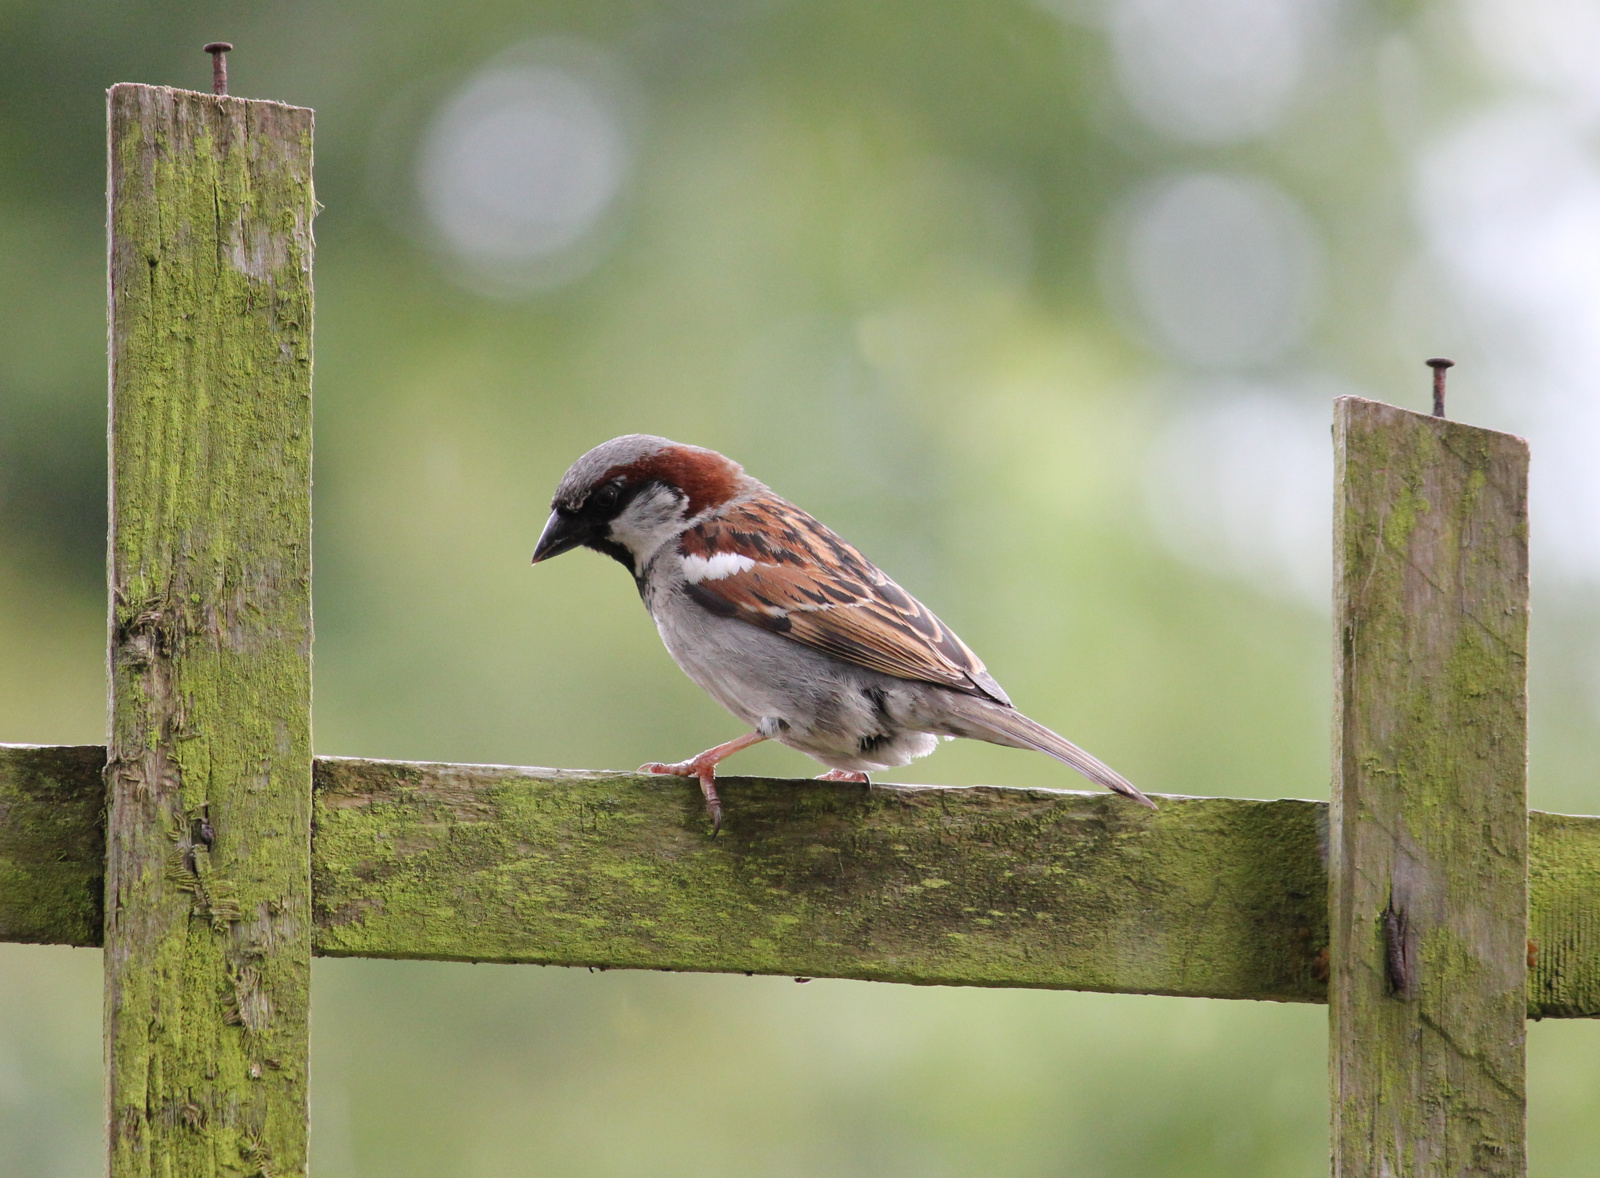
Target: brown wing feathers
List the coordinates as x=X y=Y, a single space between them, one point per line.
x=811 y=586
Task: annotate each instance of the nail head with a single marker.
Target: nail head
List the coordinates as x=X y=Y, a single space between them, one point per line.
x=219 y=66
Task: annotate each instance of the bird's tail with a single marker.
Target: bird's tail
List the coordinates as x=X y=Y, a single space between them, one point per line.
x=999 y=724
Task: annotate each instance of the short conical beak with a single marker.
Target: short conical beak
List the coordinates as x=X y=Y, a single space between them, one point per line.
x=563 y=531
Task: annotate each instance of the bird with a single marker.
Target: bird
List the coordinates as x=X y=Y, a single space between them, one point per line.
x=782 y=622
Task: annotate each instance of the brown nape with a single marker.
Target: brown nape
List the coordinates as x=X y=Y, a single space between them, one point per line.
x=706 y=477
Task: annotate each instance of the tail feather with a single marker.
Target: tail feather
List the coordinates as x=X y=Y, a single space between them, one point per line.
x=1002 y=725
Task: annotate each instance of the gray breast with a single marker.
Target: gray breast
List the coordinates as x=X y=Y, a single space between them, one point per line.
x=844 y=715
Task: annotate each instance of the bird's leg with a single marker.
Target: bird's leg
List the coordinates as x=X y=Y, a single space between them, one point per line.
x=844 y=775
x=704 y=767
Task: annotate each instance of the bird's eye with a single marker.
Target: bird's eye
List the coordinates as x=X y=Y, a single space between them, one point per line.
x=606 y=497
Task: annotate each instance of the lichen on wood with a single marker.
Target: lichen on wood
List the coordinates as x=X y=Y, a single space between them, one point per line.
x=208 y=932
x=52 y=844
x=998 y=887
x=394 y=837
x=1429 y=824
x=1563 y=916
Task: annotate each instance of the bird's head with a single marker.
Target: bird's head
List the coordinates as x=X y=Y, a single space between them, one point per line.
x=629 y=496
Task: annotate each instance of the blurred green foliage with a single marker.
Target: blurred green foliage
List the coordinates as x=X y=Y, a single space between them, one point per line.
x=863 y=249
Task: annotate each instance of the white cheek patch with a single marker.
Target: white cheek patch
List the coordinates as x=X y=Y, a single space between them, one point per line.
x=647 y=522
x=715 y=567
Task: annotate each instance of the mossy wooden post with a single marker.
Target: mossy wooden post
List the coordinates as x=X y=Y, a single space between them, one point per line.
x=208 y=893
x=1428 y=869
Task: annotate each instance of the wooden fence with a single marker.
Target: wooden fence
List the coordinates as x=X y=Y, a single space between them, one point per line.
x=211 y=855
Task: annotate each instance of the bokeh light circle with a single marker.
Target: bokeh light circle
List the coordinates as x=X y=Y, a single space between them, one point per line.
x=523 y=162
x=1210 y=71
x=1223 y=271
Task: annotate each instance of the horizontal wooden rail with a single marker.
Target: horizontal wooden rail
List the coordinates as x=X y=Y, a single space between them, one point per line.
x=981 y=886
x=1207 y=897
x=52 y=844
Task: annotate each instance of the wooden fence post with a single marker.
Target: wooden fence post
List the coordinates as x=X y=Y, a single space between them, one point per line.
x=1428 y=863
x=208 y=900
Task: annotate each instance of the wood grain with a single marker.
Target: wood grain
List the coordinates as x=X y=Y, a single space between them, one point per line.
x=486 y=862
x=52 y=844
x=1428 y=872
x=208 y=899
x=993 y=887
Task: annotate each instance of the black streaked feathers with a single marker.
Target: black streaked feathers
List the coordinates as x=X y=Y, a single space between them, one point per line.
x=814 y=588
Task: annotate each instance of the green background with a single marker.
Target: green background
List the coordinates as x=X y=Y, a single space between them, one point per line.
x=872 y=251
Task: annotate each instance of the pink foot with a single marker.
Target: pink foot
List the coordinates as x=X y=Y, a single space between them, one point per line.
x=844 y=775
x=704 y=766
x=706 y=771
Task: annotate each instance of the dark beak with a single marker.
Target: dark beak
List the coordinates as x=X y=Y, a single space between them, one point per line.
x=563 y=532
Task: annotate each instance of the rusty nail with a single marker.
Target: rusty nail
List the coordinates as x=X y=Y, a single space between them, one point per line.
x=1439 y=364
x=219 y=66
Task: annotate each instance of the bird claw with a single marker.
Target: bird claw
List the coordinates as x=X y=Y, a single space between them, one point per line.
x=677 y=769
x=845 y=775
x=708 y=784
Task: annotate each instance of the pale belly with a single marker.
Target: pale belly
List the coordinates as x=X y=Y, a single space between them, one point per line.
x=844 y=716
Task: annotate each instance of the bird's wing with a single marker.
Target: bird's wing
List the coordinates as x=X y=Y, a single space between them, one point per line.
x=766 y=562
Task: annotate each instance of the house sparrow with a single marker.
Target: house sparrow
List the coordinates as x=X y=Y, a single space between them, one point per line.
x=782 y=622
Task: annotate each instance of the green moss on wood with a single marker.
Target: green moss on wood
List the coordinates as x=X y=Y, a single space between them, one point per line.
x=974 y=887
x=1429 y=828
x=392 y=839
x=52 y=844
x=1563 y=916
x=208 y=898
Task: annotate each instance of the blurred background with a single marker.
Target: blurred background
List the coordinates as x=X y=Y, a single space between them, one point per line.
x=1042 y=304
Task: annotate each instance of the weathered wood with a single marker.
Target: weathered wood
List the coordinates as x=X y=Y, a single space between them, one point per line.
x=208 y=930
x=1563 y=916
x=997 y=887
x=1225 y=896
x=1428 y=870
x=441 y=828
x=52 y=844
